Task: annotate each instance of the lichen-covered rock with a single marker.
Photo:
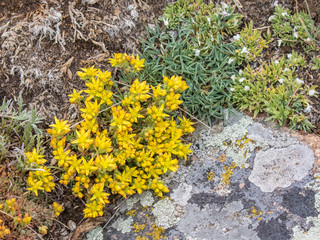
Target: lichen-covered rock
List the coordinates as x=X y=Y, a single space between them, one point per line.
x=275 y=168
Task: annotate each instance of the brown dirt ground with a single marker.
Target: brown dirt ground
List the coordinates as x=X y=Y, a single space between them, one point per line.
x=44 y=43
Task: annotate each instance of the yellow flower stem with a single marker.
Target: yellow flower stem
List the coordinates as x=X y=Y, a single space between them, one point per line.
x=26 y=225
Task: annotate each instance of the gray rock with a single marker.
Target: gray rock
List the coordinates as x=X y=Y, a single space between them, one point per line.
x=275 y=168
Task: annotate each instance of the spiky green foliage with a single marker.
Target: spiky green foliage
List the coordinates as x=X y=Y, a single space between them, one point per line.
x=205 y=68
x=295 y=28
x=208 y=21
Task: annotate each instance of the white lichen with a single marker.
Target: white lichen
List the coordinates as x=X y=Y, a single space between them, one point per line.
x=165 y=214
x=228 y=141
x=122 y=225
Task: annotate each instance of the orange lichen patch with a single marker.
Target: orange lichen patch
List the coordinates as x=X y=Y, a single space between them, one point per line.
x=132 y=213
x=157 y=232
x=228 y=173
x=138 y=227
x=222 y=158
x=256 y=213
x=210 y=176
x=244 y=141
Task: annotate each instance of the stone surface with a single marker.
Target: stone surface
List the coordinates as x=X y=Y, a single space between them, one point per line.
x=272 y=193
x=281 y=167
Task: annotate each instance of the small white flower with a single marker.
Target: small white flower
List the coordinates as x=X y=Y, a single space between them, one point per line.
x=236 y=37
x=241 y=79
x=276 y=62
x=235 y=22
x=209 y=20
x=295 y=35
x=166 y=21
x=196 y=52
x=246 y=88
x=289 y=56
x=240 y=72
x=299 y=81
x=280 y=80
x=230 y=60
x=275 y=3
x=231 y=89
x=307 y=109
x=308 y=40
x=279 y=42
x=224 y=5
x=312 y=92
x=271 y=18
x=244 y=50
x=233 y=77
x=284 y=14
x=286 y=69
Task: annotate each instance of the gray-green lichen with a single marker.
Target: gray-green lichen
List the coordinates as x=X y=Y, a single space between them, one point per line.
x=95 y=234
x=146 y=199
x=228 y=141
x=165 y=214
x=123 y=225
x=314 y=232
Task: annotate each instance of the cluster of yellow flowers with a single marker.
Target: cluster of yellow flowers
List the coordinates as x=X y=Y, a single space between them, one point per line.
x=123 y=147
x=3 y=230
x=57 y=208
x=22 y=221
x=10 y=207
x=128 y=63
x=39 y=177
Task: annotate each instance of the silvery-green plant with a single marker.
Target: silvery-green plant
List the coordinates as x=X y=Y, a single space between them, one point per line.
x=18 y=127
x=276 y=89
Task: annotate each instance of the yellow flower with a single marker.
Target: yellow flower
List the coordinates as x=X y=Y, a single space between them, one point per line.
x=186 y=125
x=105 y=77
x=62 y=156
x=105 y=97
x=75 y=96
x=172 y=101
x=98 y=194
x=95 y=86
x=87 y=73
x=93 y=209
x=34 y=157
x=138 y=64
x=43 y=230
x=139 y=184
x=27 y=219
x=34 y=186
x=157 y=113
x=91 y=110
x=120 y=119
x=83 y=139
x=90 y=125
x=103 y=143
x=57 y=208
x=134 y=113
x=59 y=128
x=140 y=90
x=118 y=58
x=106 y=162
x=158 y=92
x=175 y=83
x=87 y=167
